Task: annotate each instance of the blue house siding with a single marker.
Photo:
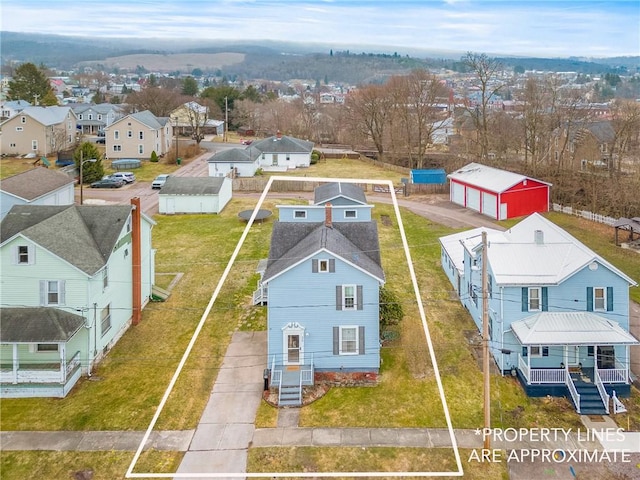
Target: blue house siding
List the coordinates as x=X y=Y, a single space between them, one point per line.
x=316 y=213
x=314 y=308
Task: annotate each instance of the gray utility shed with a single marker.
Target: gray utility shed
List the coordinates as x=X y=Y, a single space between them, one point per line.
x=194 y=195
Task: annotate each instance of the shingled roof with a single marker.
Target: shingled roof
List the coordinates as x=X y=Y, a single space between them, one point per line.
x=34 y=183
x=355 y=242
x=84 y=236
x=329 y=191
x=38 y=325
x=192 y=186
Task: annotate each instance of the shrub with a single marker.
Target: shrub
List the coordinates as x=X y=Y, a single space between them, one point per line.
x=315 y=156
x=154 y=157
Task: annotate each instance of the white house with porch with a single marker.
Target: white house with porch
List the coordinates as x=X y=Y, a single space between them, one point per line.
x=558 y=312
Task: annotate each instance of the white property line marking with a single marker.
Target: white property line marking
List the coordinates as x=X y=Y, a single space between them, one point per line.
x=214 y=296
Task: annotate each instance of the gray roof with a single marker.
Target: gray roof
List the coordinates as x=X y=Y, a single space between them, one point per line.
x=47 y=115
x=34 y=183
x=283 y=144
x=147 y=118
x=192 y=186
x=84 y=235
x=355 y=242
x=38 y=325
x=329 y=191
x=235 y=155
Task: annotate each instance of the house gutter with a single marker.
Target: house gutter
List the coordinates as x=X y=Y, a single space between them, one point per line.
x=136 y=260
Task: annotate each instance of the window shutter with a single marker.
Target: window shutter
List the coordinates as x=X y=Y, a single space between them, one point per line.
x=589 y=299
x=32 y=254
x=336 y=341
x=16 y=254
x=338 y=297
x=359 y=296
x=43 y=292
x=525 y=299
x=332 y=265
x=314 y=265
x=609 y=299
x=545 y=299
x=361 y=340
x=61 y=293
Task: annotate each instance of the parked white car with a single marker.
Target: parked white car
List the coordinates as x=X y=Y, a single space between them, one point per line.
x=160 y=180
x=126 y=177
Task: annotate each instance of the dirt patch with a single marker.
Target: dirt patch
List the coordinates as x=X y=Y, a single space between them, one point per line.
x=386 y=220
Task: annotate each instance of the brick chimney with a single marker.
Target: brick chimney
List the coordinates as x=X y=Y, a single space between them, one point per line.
x=278 y=135
x=327 y=215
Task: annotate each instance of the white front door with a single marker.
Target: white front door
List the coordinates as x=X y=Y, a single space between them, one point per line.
x=293 y=345
x=573 y=355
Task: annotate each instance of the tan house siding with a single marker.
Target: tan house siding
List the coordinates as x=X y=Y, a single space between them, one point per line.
x=131 y=138
x=23 y=134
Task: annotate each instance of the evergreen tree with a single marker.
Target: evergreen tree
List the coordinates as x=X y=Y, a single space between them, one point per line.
x=91 y=171
x=190 y=87
x=31 y=84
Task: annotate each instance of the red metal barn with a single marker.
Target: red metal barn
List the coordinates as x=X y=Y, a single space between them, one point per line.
x=498 y=193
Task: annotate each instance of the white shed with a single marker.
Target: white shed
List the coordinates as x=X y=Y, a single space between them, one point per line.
x=194 y=195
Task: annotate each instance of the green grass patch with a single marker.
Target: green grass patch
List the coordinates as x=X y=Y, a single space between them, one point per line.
x=370 y=459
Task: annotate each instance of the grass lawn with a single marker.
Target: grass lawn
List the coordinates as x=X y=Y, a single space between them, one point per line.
x=372 y=459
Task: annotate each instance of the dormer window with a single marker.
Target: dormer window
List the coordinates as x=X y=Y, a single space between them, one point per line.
x=350 y=214
x=300 y=214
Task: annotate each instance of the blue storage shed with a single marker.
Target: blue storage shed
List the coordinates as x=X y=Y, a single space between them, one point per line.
x=435 y=176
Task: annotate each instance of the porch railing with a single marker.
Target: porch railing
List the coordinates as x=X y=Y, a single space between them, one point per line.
x=260 y=295
x=548 y=375
x=73 y=363
x=620 y=374
x=276 y=375
x=56 y=373
x=573 y=391
x=307 y=374
x=601 y=390
x=524 y=368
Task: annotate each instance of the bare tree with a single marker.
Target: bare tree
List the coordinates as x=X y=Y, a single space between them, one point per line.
x=368 y=109
x=486 y=72
x=159 y=101
x=626 y=126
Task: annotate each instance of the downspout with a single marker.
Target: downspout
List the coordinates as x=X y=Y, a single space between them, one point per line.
x=136 y=261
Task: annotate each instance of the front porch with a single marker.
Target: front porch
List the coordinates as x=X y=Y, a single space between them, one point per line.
x=27 y=380
x=289 y=380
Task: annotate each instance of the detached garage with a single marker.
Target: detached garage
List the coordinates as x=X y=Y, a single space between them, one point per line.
x=194 y=195
x=498 y=193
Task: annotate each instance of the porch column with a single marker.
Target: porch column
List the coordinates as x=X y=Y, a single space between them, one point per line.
x=16 y=363
x=63 y=363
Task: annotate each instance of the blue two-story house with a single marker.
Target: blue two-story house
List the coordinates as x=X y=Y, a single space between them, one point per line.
x=558 y=313
x=323 y=280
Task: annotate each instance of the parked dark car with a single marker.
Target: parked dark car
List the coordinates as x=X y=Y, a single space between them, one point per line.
x=101 y=140
x=108 y=183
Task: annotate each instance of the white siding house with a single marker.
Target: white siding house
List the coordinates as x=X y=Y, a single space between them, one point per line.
x=194 y=195
x=38 y=186
x=68 y=291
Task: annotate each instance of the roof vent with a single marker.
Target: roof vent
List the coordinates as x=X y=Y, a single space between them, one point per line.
x=538 y=236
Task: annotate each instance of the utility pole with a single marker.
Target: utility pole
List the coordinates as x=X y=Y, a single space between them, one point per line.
x=226 y=117
x=485 y=346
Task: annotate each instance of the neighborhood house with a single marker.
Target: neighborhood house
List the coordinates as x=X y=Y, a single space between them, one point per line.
x=74 y=279
x=328 y=331
x=558 y=313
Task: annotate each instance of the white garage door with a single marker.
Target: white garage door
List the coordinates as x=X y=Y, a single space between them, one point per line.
x=489 y=204
x=457 y=193
x=473 y=199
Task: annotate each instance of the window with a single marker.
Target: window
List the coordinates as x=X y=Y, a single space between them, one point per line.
x=47 y=347
x=99 y=116
x=116 y=135
x=34 y=145
x=348 y=340
x=52 y=292
x=590 y=351
x=288 y=157
x=534 y=299
x=117 y=148
x=348 y=297
x=105 y=278
x=19 y=129
x=350 y=214
x=599 y=301
x=539 y=351
x=91 y=116
x=23 y=119
x=300 y=214
x=105 y=319
x=23 y=256
x=129 y=134
x=140 y=149
x=141 y=135
x=323 y=265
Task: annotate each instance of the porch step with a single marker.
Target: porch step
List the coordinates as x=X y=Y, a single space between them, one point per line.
x=290 y=395
x=590 y=401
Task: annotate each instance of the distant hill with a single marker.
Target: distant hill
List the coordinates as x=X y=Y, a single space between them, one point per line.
x=269 y=60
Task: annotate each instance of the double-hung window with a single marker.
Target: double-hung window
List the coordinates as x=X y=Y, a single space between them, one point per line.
x=24 y=255
x=52 y=292
x=534 y=299
x=599 y=298
x=348 y=340
x=105 y=319
x=349 y=297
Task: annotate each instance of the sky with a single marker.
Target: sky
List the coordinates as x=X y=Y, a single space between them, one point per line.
x=557 y=28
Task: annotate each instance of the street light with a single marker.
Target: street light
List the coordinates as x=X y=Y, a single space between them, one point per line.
x=82 y=162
